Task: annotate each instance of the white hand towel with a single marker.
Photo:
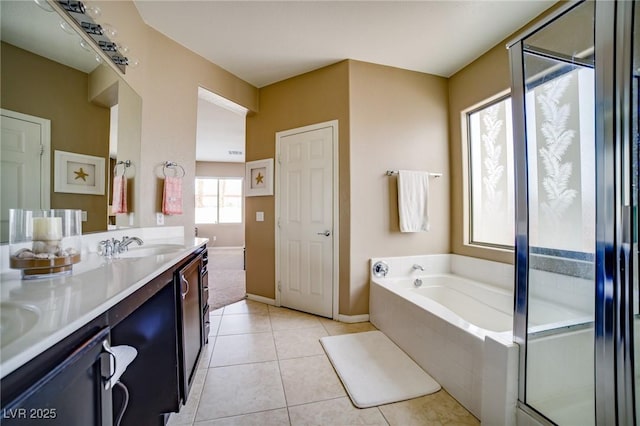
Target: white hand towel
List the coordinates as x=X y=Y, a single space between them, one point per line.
x=413 y=201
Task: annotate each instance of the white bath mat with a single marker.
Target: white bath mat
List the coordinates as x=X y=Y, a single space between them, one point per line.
x=374 y=370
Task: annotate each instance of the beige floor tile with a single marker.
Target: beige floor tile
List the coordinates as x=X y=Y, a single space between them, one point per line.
x=299 y=342
x=244 y=323
x=338 y=411
x=290 y=322
x=436 y=409
x=287 y=319
x=310 y=379
x=214 y=320
x=241 y=389
x=335 y=327
x=243 y=349
x=246 y=307
x=188 y=412
x=278 y=417
x=207 y=351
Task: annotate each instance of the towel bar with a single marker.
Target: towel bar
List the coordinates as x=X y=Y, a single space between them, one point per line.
x=395 y=172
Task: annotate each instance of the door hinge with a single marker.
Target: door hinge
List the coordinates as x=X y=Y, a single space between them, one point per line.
x=278 y=223
x=279 y=159
x=41 y=150
x=279 y=286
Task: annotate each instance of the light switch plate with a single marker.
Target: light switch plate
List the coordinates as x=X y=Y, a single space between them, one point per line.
x=84 y=215
x=159 y=219
x=259 y=216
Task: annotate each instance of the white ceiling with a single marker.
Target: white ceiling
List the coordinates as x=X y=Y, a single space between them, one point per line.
x=263 y=42
x=220 y=129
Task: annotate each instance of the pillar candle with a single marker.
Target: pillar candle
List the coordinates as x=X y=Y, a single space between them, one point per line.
x=47 y=228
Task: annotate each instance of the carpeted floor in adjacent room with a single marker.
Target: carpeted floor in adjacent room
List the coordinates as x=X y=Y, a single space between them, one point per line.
x=226 y=276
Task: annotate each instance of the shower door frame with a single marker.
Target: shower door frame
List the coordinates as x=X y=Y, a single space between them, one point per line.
x=613 y=331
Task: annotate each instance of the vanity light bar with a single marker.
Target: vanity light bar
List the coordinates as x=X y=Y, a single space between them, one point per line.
x=107 y=46
x=100 y=34
x=90 y=28
x=72 y=6
x=120 y=60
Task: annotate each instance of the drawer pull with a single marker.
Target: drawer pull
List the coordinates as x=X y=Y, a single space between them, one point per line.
x=183 y=279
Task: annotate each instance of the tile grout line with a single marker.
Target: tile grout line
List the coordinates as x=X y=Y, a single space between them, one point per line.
x=284 y=392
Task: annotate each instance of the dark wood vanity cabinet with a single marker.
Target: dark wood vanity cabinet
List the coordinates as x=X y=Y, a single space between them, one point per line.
x=189 y=294
x=163 y=320
x=70 y=388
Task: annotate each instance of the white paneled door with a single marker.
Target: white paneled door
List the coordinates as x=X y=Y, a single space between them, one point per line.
x=24 y=168
x=305 y=224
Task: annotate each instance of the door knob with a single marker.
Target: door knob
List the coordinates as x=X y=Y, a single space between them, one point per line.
x=325 y=233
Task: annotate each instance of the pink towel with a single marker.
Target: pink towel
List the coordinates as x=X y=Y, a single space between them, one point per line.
x=119 y=202
x=172 y=195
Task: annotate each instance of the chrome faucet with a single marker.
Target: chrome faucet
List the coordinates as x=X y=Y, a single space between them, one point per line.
x=124 y=244
x=416 y=267
x=112 y=247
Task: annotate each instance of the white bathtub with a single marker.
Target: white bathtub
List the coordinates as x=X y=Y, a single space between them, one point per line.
x=457 y=328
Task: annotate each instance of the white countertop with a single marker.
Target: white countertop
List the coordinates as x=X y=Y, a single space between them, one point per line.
x=67 y=303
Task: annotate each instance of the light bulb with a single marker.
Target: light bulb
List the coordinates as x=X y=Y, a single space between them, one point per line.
x=134 y=62
x=110 y=31
x=85 y=46
x=44 y=5
x=94 y=12
x=67 y=28
x=122 y=48
x=98 y=59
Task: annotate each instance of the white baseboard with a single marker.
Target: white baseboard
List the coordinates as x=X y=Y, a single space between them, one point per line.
x=213 y=248
x=353 y=318
x=261 y=299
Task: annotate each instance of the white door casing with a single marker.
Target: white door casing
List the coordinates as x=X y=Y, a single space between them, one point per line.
x=307 y=219
x=24 y=165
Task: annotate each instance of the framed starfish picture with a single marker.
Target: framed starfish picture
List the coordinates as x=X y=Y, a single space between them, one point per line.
x=259 y=178
x=78 y=173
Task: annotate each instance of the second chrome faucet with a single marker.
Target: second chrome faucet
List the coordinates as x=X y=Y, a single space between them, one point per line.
x=113 y=246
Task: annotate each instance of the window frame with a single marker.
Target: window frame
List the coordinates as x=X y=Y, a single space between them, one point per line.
x=468 y=194
x=218 y=179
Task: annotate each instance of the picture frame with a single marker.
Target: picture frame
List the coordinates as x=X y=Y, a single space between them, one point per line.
x=78 y=173
x=259 y=178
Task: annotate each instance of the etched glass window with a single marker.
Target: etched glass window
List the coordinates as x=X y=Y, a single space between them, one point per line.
x=491 y=174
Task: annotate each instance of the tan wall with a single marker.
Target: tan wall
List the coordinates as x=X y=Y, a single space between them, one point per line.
x=226 y=234
x=484 y=78
x=167 y=79
x=398 y=121
x=310 y=98
x=79 y=127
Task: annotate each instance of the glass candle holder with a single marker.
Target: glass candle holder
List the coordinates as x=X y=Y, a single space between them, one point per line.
x=44 y=243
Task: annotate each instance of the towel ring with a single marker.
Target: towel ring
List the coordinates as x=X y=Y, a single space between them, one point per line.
x=125 y=165
x=172 y=165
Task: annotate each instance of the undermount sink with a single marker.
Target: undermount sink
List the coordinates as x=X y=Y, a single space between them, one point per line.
x=153 y=250
x=15 y=320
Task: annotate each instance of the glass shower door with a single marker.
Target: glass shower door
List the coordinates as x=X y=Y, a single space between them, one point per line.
x=576 y=97
x=557 y=197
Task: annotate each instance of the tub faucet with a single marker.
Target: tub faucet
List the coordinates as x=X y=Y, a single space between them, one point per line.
x=415 y=267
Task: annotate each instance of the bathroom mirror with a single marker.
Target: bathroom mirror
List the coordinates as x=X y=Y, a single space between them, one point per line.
x=58 y=94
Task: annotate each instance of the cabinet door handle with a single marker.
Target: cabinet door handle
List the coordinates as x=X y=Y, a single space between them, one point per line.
x=187 y=283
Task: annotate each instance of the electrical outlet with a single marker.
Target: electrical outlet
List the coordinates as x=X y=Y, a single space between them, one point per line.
x=159 y=219
x=84 y=215
x=214 y=238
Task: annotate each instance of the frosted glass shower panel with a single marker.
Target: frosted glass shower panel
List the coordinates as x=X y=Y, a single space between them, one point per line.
x=559 y=106
x=561 y=148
